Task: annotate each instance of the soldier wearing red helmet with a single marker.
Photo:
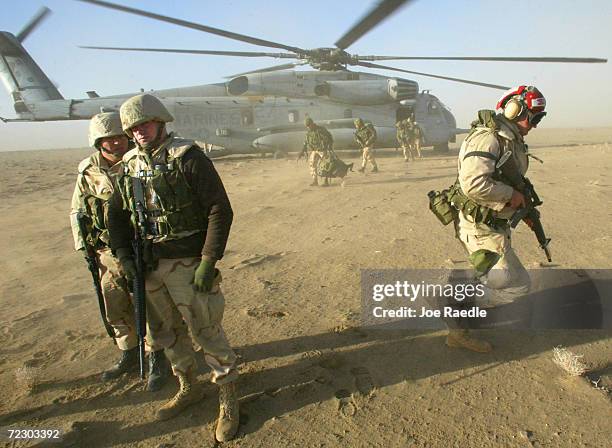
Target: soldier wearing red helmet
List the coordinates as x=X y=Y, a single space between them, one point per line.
x=524 y=106
x=486 y=201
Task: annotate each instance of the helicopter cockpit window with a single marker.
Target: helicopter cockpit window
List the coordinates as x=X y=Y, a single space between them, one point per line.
x=246 y=117
x=348 y=113
x=433 y=107
x=294 y=116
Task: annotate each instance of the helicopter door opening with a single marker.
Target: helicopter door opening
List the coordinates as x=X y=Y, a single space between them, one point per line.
x=403 y=113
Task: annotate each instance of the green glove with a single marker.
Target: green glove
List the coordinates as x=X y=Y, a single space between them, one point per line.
x=129 y=268
x=204 y=275
x=127 y=263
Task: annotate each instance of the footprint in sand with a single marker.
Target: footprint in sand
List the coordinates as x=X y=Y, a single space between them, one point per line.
x=256 y=259
x=251 y=261
x=71 y=298
x=346 y=405
x=258 y=313
x=34 y=362
x=71 y=335
x=363 y=381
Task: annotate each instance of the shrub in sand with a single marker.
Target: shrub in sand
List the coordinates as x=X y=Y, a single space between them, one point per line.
x=569 y=361
x=25 y=378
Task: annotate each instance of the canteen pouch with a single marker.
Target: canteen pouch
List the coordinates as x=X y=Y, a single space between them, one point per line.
x=441 y=207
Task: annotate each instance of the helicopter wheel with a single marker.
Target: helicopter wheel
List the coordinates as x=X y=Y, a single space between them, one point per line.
x=441 y=148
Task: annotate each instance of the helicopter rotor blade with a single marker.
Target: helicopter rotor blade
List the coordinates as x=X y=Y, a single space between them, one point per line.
x=33 y=23
x=249 y=54
x=479 y=58
x=465 y=81
x=380 y=12
x=269 y=69
x=195 y=26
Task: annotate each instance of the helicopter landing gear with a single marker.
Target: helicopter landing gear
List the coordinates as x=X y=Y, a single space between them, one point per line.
x=280 y=154
x=441 y=148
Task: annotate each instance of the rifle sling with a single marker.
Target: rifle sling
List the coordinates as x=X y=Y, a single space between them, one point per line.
x=485 y=154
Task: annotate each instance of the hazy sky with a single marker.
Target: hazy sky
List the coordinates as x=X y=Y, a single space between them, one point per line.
x=578 y=94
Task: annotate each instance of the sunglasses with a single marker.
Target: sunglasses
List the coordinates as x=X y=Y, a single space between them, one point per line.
x=534 y=119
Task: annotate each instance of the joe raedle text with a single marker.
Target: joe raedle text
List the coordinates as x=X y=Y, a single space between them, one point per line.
x=446 y=312
x=404 y=300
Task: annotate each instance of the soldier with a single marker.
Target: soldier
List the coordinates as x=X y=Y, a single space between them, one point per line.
x=494 y=146
x=417 y=137
x=399 y=135
x=95 y=185
x=409 y=137
x=318 y=141
x=365 y=136
x=188 y=216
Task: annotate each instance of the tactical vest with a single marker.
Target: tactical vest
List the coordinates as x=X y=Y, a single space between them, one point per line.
x=95 y=207
x=407 y=130
x=172 y=209
x=318 y=139
x=366 y=136
x=447 y=204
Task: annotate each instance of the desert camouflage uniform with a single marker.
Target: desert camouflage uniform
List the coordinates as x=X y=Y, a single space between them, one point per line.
x=365 y=135
x=508 y=278
x=95 y=185
x=318 y=141
x=409 y=137
x=198 y=220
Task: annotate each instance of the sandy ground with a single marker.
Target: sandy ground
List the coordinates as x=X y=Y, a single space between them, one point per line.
x=310 y=376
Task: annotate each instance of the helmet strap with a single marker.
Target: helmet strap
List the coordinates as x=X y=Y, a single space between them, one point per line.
x=158 y=138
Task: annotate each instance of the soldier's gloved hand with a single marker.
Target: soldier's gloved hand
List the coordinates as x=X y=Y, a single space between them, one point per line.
x=127 y=263
x=129 y=268
x=517 y=200
x=204 y=275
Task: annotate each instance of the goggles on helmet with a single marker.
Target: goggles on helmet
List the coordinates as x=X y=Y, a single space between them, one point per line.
x=534 y=119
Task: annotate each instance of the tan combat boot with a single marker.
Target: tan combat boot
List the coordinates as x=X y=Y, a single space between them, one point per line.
x=229 y=416
x=189 y=393
x=461 y=339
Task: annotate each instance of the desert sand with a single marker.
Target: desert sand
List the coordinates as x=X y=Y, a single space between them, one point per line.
x=311 y=377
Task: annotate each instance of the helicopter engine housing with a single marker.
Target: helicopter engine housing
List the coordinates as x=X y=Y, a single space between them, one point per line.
x=369 y=92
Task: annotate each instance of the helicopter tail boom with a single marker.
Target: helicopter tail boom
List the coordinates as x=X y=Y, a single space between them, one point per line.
x=26 y=83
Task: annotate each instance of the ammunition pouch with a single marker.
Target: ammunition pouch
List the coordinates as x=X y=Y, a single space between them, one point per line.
x=175 y=209
x=95 y=210
x=441 y=207
x=447 y=204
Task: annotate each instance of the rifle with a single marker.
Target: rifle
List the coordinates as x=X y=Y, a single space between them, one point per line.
x=138 y=284
x=302 y=153
x=531 y=216
x=92 y=265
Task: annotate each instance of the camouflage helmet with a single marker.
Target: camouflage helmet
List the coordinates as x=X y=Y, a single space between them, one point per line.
x=142 y=108
x=106 y=124
x=358 y=122
x=308 y=121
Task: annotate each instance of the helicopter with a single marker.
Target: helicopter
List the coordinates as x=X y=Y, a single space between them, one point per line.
x=262 y=111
